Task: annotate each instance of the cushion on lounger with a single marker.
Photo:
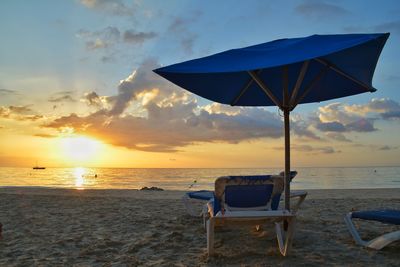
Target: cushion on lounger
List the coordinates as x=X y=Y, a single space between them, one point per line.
x=384 y=216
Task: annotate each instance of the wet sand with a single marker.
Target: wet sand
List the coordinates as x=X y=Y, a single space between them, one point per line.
x=54 y=227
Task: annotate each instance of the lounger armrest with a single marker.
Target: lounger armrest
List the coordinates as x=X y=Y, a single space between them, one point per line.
x=301 y=195
x=255 y=214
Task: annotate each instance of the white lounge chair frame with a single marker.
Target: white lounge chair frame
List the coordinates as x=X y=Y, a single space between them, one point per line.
x=188 y=202
x=256 y=218
x=262 y=217
x=376 y=243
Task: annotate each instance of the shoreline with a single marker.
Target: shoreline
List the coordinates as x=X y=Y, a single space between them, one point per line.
x=362 y=193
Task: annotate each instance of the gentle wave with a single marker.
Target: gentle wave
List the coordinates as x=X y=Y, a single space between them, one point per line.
x=194 y=179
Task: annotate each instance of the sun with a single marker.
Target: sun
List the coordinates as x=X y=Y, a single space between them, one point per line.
x=79 y=148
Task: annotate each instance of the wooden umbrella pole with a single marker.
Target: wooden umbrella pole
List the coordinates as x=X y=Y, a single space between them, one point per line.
x=286 y=114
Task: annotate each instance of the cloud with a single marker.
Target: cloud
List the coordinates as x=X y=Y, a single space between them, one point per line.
x=20 y=113
x=301 y=129
x=311 y=150
x=5 y=92
x=44 y=135
x=131 y=36
x=320 y=10
x=330 y=126
x=101 y=39
x=180 y=28
x=4 y=112
x=109 y=38
x=92 y=99
x=338 y=137
x=391 y=26
x=20 y=109
x=386 y=147
x=112 y=7
x=385 y=108
x=166 y=118
x=64 y=96
x=337 y=117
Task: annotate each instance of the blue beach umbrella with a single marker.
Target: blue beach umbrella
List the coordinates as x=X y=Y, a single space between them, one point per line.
x=284 y=73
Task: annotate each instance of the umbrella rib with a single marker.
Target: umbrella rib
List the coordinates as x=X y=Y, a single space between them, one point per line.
x=244 y=90
x=299 y=81
x=311 y=85
x=265 y=88
x=344 y=74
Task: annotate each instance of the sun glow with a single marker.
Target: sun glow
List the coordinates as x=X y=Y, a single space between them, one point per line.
x=79 y=177
x=80 y=149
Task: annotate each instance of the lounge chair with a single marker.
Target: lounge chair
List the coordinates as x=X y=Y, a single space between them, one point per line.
x=249 y=200
x=190 y=199
x=384 y=216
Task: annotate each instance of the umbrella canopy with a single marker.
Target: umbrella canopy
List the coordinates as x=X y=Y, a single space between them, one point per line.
x=284 y=73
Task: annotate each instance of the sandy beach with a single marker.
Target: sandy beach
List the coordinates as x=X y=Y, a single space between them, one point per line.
x=56 y=227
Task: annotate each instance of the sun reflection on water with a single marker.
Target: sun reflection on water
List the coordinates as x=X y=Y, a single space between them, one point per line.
x=79 y=174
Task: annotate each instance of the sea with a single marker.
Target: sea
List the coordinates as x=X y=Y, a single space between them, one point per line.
x=193 y=179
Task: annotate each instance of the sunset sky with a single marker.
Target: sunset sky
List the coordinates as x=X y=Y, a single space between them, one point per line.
x=77 y=87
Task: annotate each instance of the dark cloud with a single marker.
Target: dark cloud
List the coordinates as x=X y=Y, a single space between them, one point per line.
x=92 y=99
x=391 y=115
x=112 y=7
x=4 y=112
x=311 y=149
x=44 y=135
x=131 y=36
x=111 y=36
x=362 y=125
x=20 y=109
x=330 y=126
x=386 y=147
x=20 y=113
x=392 y=78
x=301 y=129
x=101 y=39
x=64 y=98
x=180 y=27
x=4 y=92
x=337 y=137
x=353 y=29
x=107 y=59
x=392 y=26
x=320 y=10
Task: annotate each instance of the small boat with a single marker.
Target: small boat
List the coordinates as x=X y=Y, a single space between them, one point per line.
x=38 y=168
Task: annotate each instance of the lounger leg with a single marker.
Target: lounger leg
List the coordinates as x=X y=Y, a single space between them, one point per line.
x=299 y=201
x=289 y=236
x=279 y=236
x=285 y=246
x=210 y=236
x=377 y=243
x=353 y=231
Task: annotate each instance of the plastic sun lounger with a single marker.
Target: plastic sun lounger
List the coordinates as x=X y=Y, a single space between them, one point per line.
x=202 y=195
x=249 y=200
x=384 y=216
x=190 y=198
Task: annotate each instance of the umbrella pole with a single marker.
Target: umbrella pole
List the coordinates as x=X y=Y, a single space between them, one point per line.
x=286 y=113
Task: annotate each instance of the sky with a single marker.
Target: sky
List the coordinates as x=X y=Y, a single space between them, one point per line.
x=77 y=87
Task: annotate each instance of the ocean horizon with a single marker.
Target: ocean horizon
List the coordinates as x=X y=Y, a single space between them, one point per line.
x=194 y=178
